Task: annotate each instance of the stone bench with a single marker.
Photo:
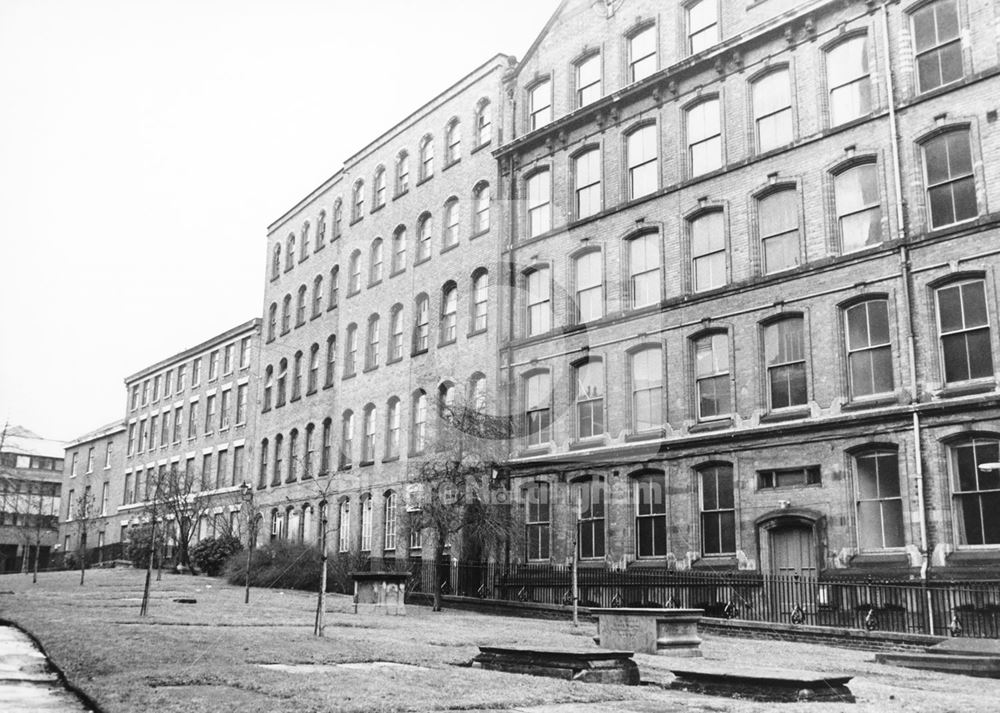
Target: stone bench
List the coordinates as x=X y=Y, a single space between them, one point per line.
x=587 y=665
x=761 y=683
x=667 y=632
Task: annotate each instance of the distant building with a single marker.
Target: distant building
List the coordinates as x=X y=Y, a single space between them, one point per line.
x=30 y=474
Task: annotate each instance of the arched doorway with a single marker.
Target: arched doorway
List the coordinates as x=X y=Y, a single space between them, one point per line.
x=789 y=548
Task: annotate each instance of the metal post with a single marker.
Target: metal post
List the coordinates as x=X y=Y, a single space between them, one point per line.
x=576 y=591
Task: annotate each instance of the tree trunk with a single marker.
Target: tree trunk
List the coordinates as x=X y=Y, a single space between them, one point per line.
x=144 y=608
x=83 y=561
x=159 y=563
x=438 y=551
x=321 y=598
x=34 y=576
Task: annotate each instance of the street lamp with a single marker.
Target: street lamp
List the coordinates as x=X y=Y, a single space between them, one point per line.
x=246 y=493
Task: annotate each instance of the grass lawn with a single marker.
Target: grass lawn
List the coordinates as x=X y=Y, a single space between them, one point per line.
x=220 y=655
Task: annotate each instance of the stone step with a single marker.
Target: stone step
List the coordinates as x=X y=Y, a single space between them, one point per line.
x=948 y=662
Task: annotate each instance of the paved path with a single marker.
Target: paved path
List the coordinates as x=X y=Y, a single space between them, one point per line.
x=27 y=682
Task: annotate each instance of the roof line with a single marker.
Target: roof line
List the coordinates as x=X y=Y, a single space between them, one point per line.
x=222 y=336
x=538 y=40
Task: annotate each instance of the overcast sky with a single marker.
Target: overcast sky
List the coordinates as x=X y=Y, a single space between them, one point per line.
x=145 y=145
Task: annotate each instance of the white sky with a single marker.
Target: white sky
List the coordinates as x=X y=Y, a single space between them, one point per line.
x=145 y=145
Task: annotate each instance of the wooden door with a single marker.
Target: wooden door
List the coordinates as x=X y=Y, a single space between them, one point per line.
x=793 y=551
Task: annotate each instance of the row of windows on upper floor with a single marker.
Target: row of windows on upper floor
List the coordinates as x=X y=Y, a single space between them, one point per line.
x=74 y=459
x=222 y=468
x=420 y=342
x=168 y=425
x=18 y=460
x=480 y=204
x=962 y=336
x=401 y=169
x=777 y=213
x=936 y=28
x=301 y=453
x=165 y=385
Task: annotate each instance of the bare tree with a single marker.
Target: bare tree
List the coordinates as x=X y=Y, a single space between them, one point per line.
x=458 y=490
x=84 y=513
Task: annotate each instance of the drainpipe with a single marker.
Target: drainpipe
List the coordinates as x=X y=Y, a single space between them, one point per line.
x=906 y=280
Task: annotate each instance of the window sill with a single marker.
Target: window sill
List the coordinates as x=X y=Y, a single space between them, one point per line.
x=876 y=402
x=790 y=415
x=966 y=388
x=477 y=149
x=377 y=208
x=401 y=193
x=714 y=562
x=476 y=333
x=716 y=425
x=400 y=271
x=479 y=234
x=393 y=361
x=328 y=386
x=368 y=369
x=352 y=294
x=366 y=463
x=417 y=352
x=534 y=451
x=390 y=459
x=585 y=443
x=316 y=315
x=345 y=377
x=974 y=553
x=447 y=344
x=344 y=468
x=356 y=220
x=415 y=454
x=875 y=559
x=421 y=261
x=451 y=163
x=294 y=399
x=374 y=283
x=424 y=180
x=448 y=248
x=645 y=435
x=331 y=308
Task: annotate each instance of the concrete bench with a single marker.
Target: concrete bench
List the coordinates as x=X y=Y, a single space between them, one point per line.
x=587 y=665
x=667 y=632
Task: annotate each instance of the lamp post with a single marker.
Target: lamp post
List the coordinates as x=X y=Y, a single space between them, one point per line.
x=246 y=493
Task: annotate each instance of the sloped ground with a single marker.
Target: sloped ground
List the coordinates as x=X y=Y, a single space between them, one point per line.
x=206 y=657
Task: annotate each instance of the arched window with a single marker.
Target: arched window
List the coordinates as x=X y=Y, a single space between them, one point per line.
x=976 y=488
x=708 y=251
x=702 y=25
x=589 y=398
x=399 y=249
x=262 y=471
x=641 y=157
x=538 y=408
x=276 y=261
x=538 y=188
x=778 y=220
x=477 y=392
x=395 y=333
x=481 y=206
x=297 y=376
x=272 y=321
x=366 y=523
x=484 y=122
x=704 y=136
x=372 y=343
x=644 y=270
x=449 y=313
x=290 y=252
x=537 y=517
x=964 y=331
x=402 y=173
x=859 y=210
x=368 y=446
x=421 y=326
x=938 y=35
x=320 y=230
x=351 y=350
x=785 y=360
x=426 y=157
x=772 y=109
x=326 y=446
x=282 y=378
x=879 y=499
x=347 y=439
x=446 y=399
x=338 y=219
x=279 y=447
x=711 y=366
x=424 y=236
x=354 y=273
x=646 y=372
x=848 y=80
x=313 y=368
x=869 y=348
x=331 y=359
x=293 y=456
x=480 y=297
x=540 y=104
x=389 y=521
x=334 y=286
x=300 y=307
x=419 y=425
x=718 y=509
x=588 y=286
x=453 y=141
x=538 y=299
x=379 y=189
x=650 y=513
x=344 y=535
x=268 y=378
x=392 y=426
x=286 y=314
x=375 y=264
x=587 y=183
x=304 y=247
x=451 y=221
x=951 y=185
x=642 y=53
x=589 y=496
x=358 y=201
x=317 y=296
x=588 y=80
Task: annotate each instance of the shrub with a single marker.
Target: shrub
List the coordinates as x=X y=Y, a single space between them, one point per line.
x=210 y=554
x=279 y=564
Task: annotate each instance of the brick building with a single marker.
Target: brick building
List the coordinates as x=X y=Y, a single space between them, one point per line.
x=30 y=471
x=93 y=470
x=753 y=260
x=377 y=307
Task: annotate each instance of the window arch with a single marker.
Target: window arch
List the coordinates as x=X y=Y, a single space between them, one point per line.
x=481 y=205
x=297 y=376
x=293 y=456
x=262 y=470
x=334 y=286
x=538 y=407
x=317 y=296
x=304 y=247
x=480 y=300
x=642 y=160
x=419 y=421
x=718 y=508
x=646 y=382
x=286 y=314
x=392 y=427
x=272 y=321
x=347 y=439
x=277 y=466
x=389 y=521
x=449 y=237
x=358 y=201
x=351 y=350
x=395 y=333
x=300 y=307
x=484 y=122
x=588 y=397
x=338 y=219
x=538 y=190
x=313 y=380
x=276 y=261
x=320 y=231
x=644 y=282
x=282 y=378
x=399 y=249
x=426 y=157
x=375 y=262
x=446 y=399
x=425 y=231
x=378 y=188
x=372 y=342
x=290 y=252
x=878 y=498
x=421 y=325
x=331 y=359
x=369 y=425
x=449 y=313
x=326 y=446
x=975 y=489
x=650 y=490
x=354 y=273
x=402 y=173
x=268 y=378
x=453 y=141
